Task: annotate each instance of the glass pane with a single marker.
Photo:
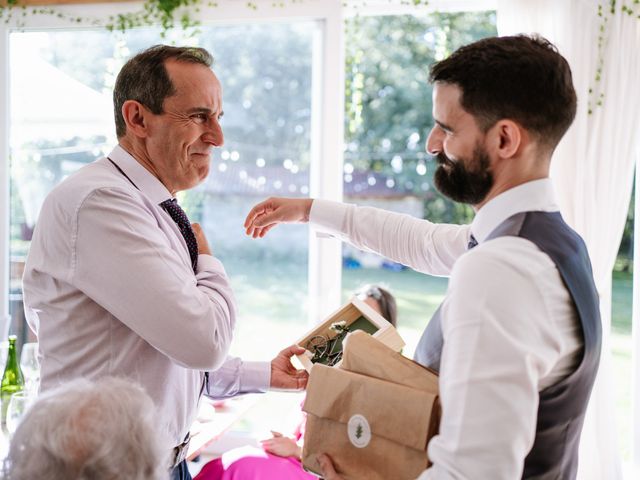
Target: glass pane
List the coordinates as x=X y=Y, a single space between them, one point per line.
x=388 y=117
x=621 y=340
x=62 y=118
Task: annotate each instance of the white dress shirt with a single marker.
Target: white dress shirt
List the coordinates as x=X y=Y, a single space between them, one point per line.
x=509 y=325
x=109 y=290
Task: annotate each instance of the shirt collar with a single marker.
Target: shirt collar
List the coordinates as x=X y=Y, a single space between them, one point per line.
x=537 y=195
x=142 y=178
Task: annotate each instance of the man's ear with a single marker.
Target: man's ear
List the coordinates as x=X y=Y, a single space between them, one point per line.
x=135 y=116
x=507 y=138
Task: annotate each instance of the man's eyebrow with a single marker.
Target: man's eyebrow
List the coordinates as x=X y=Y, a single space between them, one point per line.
x=206 y=110
x=443 y=126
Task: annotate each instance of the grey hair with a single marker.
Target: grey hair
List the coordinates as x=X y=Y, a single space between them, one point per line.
x=83 y=430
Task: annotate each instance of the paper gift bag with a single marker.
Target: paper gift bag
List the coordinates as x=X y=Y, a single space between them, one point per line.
x=372 y=428
x=365 y=355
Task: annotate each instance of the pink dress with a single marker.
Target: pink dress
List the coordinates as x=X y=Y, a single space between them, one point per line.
x=253 y=463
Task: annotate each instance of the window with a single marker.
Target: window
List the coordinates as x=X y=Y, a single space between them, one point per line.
x=61 y=119
x=387 y=120
x=621 y=340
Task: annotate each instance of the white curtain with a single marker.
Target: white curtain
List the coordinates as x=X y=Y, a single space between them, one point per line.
x=592 y=168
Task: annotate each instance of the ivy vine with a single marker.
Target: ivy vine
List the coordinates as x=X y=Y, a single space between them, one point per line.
x=168 y=14
x=607 y=10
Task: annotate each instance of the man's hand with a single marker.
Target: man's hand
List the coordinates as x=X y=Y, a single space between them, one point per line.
x=326 y=465
x=281 y=446
x=203 y=245
x=283 y=374
x=266 y=215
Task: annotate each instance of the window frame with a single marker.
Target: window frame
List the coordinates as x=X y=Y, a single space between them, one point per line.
x=326 y=123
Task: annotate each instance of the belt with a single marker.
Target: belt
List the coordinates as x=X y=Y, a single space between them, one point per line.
x=179 y=453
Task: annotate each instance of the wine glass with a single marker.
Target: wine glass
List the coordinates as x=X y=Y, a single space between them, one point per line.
x=18 y=406
x=30 y=366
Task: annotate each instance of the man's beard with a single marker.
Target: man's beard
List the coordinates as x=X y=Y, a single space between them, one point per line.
x=465 y=184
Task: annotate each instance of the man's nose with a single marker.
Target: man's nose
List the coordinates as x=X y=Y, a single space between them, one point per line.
x=434 y=141
x=214 y=135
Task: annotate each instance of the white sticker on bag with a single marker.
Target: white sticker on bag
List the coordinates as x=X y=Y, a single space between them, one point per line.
x=359 y=431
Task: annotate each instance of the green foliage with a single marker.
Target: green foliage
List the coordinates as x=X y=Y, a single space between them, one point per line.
x=606 y=10
x=166 y=13
x=388 y=97
x=267 y=91
x=624 y=262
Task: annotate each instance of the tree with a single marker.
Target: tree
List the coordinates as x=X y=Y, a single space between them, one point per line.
x=388 y=97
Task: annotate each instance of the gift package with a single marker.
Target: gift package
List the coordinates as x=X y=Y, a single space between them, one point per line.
x=373 y=414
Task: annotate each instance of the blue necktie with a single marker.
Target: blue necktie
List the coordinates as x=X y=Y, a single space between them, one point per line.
x=177 y=214
x=472 y=241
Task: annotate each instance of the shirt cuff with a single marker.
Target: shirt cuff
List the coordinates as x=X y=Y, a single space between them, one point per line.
x=209 y=263
x=327 y=216
x=255 y=376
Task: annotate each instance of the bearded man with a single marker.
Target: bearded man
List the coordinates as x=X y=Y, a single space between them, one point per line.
x=517 y=338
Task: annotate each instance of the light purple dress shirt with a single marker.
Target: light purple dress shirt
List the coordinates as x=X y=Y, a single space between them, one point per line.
x=109 y=290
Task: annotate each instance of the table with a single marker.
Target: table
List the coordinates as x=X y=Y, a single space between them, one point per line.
x=207 y=428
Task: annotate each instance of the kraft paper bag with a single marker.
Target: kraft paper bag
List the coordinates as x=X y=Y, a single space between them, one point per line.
x=375 y=423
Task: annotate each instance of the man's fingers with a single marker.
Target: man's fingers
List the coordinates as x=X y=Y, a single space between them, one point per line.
x=302 y=378
x=259 y=209
x=326 y=465
x=263 y=231
x=292 y=350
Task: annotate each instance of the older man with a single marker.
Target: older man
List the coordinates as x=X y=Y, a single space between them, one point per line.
x=517 y=339
x=117 y=281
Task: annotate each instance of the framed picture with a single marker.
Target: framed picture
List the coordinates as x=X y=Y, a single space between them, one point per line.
x=323 y=344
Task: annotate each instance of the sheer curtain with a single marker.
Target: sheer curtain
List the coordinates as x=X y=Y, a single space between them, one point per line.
x=592 y=168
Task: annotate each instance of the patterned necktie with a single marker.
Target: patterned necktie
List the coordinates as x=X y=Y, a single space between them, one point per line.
x=472 y=241
x=175 y=211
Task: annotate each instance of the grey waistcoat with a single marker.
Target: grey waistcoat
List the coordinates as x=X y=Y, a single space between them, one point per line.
x=562 y=407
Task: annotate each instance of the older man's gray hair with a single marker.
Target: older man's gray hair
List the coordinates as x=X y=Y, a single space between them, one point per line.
x=89 y=431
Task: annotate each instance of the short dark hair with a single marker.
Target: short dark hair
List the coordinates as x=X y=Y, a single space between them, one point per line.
x=144 y=78
x=522 y=78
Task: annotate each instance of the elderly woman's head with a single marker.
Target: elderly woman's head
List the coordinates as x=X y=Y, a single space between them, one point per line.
x=89 y=431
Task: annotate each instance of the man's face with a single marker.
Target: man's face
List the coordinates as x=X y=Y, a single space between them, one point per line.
x=180 y=139
x=464 y=167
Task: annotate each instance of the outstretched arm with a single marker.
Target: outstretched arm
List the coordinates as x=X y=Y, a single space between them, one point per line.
x=266 y=215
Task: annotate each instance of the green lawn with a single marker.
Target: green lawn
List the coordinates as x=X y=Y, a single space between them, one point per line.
x=621 y=344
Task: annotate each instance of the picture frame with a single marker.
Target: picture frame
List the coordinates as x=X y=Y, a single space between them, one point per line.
x=323 y=344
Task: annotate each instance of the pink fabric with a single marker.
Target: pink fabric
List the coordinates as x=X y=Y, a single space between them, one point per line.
x=252 y=463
